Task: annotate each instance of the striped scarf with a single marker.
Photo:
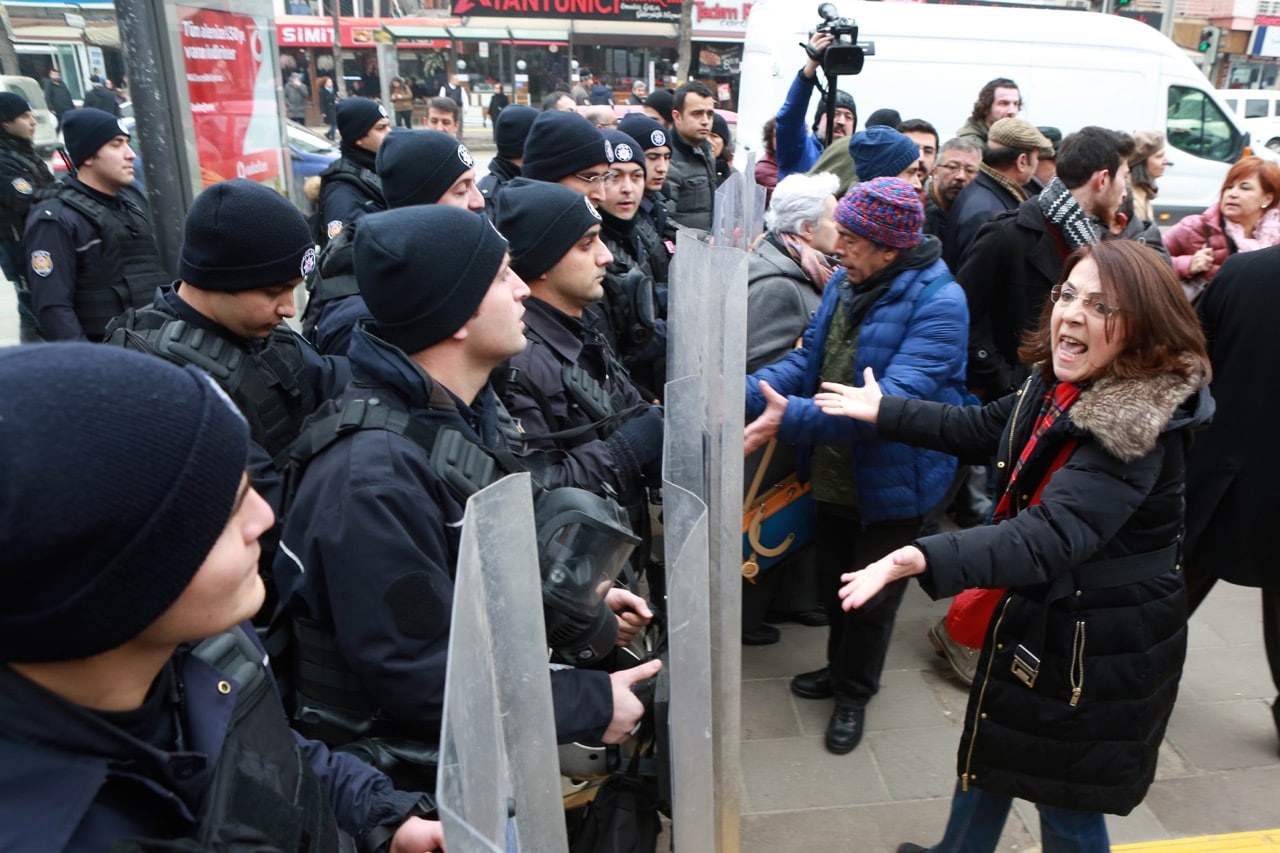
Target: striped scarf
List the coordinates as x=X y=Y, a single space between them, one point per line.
x=1060 y=207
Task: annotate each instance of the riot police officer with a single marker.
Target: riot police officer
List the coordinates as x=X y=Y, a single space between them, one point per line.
x=135 y=704
x=90 y=251
x=22 y=175
x=349 y=187
x=367 y=560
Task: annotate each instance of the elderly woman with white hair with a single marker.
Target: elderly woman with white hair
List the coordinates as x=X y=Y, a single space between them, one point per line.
x=787 y=269
x=789 y=265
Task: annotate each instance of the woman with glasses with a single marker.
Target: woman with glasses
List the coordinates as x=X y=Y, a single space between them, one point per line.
x=1080 y=666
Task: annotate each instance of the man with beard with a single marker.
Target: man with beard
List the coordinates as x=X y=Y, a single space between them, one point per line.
x=958 y=163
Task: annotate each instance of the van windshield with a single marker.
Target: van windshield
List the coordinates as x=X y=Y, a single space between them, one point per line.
x=1197 y=126
x=27 y=88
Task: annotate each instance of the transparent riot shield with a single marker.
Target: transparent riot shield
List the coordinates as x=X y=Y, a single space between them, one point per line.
x=739 y=209
x=498 y=787
x=707 y=357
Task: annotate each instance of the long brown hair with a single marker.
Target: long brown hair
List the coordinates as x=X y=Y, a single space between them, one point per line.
x=1162 y=333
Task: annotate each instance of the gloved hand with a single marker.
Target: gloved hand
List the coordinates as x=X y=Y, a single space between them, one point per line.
x=637 y=446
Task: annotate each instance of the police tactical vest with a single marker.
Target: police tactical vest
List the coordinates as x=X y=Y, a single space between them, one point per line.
x=17 y=164
x=263 y=795
x=130 y=269
x=268 y=385
x=344 y=171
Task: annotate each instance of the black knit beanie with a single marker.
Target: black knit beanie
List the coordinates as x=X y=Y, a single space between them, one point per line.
x=663 y=101
x=423 y=270
x=623 y=148
x=646 y=131
x=511 y=129
x=356 y=116
x=86 y=130
x=561 y=144
x=120 y=473
x=13 y=105
x=419 y=166
x=843 y=99
x=240 y=235
x=542 y=221
x=720 y=127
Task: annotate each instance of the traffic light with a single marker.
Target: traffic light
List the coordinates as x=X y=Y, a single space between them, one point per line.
x=1209 y=37
x=1120 y=4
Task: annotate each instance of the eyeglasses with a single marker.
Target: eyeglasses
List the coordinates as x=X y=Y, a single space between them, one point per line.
x=605 y=178
x=959 y=167
x=1066 y=296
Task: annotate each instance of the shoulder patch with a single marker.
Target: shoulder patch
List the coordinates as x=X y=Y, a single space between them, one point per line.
x=22 y=185
x=308 y=262
x=333 y=228
x=41 y=263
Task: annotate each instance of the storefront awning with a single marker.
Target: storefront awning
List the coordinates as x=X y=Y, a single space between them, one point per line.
x=479 y=33
x=411 y=33
x=47 y=33
x=526 y=34
x=103 y=36
x=650 y=29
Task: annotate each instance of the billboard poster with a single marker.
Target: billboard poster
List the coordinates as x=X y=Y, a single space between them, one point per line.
x=232 y=88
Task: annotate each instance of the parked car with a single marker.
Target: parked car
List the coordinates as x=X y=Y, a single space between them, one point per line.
x=46 y=141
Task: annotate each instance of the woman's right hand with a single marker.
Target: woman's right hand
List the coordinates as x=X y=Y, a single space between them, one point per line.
x=1201 y=261
x=861 y=404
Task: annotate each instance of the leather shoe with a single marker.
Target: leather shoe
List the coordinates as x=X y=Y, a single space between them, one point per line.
x=844 y=732
x=765 y=635
x=908 y=847
x=813 y=685
x=815 y=618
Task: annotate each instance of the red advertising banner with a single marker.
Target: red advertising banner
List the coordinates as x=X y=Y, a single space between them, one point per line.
x=233 y=96
x=613 y=10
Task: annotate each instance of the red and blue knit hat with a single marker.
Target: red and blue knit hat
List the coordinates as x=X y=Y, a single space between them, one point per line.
x=886 y=211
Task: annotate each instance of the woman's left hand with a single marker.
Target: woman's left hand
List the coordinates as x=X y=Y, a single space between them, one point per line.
x=860 y=587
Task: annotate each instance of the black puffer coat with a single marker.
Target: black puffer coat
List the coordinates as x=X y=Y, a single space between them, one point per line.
x=1110 y=639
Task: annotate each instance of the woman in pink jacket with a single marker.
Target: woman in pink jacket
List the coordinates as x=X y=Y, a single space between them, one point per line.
x=1245 y=217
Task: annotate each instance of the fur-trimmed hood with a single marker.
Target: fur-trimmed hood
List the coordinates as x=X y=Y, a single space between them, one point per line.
x=1127 y=416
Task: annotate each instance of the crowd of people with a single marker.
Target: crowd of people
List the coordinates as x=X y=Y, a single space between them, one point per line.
x=989 y=325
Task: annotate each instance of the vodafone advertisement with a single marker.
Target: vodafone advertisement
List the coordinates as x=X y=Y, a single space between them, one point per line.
x=231 y=84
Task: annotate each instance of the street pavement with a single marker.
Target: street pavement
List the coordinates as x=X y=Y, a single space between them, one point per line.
x=1219 y=769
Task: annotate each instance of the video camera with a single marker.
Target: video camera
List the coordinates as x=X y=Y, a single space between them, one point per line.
x=846 y=54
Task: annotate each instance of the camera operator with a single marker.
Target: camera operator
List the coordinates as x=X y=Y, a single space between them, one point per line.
x=798 y=147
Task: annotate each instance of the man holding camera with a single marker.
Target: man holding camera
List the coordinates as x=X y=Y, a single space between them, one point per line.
x=798 y=147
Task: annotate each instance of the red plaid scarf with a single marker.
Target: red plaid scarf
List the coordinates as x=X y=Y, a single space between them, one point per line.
x=1056 y=401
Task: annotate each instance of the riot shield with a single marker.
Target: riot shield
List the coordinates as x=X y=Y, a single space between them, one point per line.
x=498 y=787
x=739 y=209
x=707 y=357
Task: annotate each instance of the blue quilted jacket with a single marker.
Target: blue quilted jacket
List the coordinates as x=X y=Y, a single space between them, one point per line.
x=916 y=351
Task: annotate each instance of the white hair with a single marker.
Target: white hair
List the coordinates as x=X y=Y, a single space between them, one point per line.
x=799 y=199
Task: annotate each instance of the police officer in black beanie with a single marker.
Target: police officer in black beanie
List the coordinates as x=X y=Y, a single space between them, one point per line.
x=415 y=167
x=510 y=129
x=651 y=221
x=366 y=568
x=565 y=148
x=349 y=187
x=245 y=249
x=136 y=704
x=23 y=174
x=90 y=251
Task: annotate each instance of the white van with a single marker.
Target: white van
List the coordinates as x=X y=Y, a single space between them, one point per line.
x=1259 y=112
x=46 y=141
x=1073 y=69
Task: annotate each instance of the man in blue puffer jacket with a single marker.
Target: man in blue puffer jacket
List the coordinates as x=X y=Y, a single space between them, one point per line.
x=894 y=308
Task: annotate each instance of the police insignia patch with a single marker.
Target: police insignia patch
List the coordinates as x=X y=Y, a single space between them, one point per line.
x=22 y=185
x=465 y=156
x=308 y=262
x=333 y=228
x=622 y=151
x=608 y=151
x=658 y=137
x=41 y=263
x=592 y=208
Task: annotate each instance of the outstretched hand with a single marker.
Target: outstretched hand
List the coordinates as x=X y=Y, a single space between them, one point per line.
x=861 y=586
x=861 y=404
x=766 y=426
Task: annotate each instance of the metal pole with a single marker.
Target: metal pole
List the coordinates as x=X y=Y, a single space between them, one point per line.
x=1166 y=23
x=158 y=132
x=338 y=77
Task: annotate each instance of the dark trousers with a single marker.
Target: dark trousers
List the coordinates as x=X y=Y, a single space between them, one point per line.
x=13 y=264
x=404 y=118
x=858 y=641
x=1198 y=586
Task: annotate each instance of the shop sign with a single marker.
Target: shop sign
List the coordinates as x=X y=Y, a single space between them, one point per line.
x=234 y=110
x=667 y=11
x=716 y=18
x=316 y=32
